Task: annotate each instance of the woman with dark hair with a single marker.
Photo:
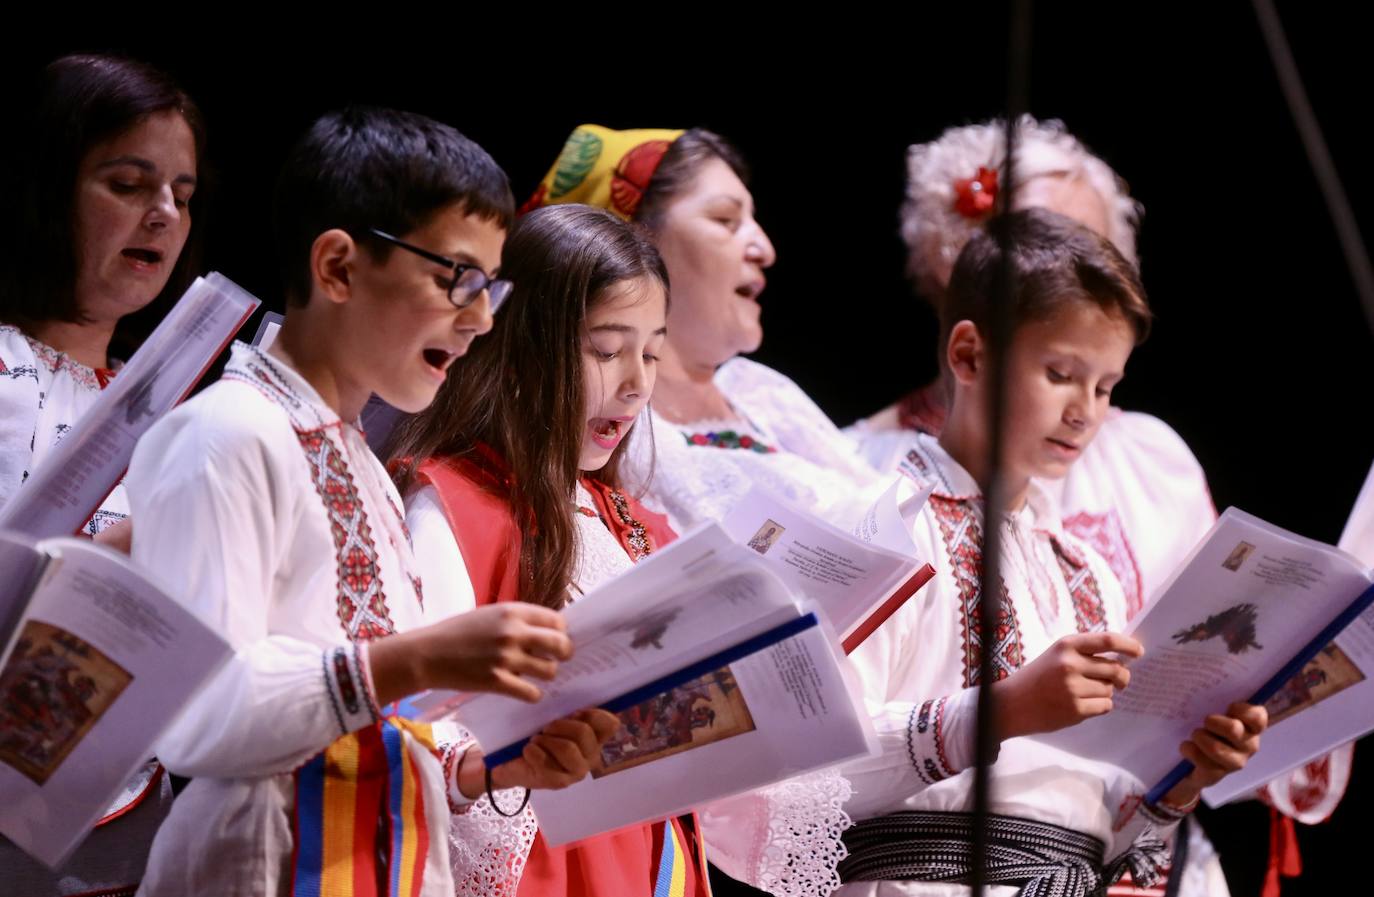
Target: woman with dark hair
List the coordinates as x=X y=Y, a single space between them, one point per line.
x=722 y=424
x=98 y=217
x=514 y=494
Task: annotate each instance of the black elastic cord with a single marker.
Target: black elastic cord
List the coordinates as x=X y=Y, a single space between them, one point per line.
x=497 y=807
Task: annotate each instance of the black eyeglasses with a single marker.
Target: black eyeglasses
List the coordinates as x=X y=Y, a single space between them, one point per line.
x=468 y=280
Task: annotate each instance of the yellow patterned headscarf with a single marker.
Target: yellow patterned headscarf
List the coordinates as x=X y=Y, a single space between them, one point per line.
x=606 y=168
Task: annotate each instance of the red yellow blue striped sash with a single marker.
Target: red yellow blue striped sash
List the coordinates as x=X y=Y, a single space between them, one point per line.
x=360 y=823
x=672 y=865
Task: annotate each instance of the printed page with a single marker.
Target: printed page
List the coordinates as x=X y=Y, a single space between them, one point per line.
x=100 y=665
x=1331 y=700
x=688 y=601
x=781 y=712
x=20 y=564
x=1248 y=599
x=848 y=576
x=74 y=479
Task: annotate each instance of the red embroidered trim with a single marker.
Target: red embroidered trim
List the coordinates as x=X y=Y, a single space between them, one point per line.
x=1089 y=612
x=926 y=769
x=922 y=411
x=940 y=738
x=361 y=601
x=636 y=540
x=1309 y=796
x=963 y=539
x=56 y=361
x=1107 y=537
x=450 y=767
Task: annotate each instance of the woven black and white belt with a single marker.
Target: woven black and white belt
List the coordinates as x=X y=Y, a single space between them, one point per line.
x=1044 y=860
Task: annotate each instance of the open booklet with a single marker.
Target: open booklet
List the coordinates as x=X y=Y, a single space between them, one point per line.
x=96 y=661
x=79 y=473
x=858 y=584
x=1257 y=614
x=719 y=656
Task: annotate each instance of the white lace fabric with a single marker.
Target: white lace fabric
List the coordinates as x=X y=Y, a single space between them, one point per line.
x=785 y=839
x=488 y=851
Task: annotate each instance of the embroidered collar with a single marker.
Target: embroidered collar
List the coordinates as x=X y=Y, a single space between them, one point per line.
x=56 y=362
x=923 y=410
x=283 y=385
x=729 y=439
x=930 y=460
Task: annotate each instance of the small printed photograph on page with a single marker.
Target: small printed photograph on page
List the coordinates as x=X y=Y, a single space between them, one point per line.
x=1329 y=673
x=1237 y=556
x=767 y=536
x=54 y=688
x=1234 y=627
x=697 y=713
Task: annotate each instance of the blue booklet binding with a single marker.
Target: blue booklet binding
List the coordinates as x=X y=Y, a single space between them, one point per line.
x=1277 y=681
x=725 y=657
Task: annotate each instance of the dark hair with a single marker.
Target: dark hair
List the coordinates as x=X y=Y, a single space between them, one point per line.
x=365 y=167
x=519 y=389
x=82 y=101
x=1055 y=261
x=680 y=166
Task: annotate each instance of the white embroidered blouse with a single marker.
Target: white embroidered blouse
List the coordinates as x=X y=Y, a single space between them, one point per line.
x=781 y=440
x=42 y=394
x=269 y=517
x=785 y=838
x=920 y=672
x=489 y=851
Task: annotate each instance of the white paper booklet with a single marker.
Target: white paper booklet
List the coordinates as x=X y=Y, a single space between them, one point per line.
x=96 y=662
x=858 y=580
x=723 y=679
x=1255 y=612
x=65 y=490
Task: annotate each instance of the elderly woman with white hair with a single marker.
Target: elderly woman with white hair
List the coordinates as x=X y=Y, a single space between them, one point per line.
x=1136 y=494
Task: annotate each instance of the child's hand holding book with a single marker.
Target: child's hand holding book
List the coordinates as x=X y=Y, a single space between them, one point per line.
x=560 y=755
x=1222 y=746
x=488 y=649
x=1067 y=684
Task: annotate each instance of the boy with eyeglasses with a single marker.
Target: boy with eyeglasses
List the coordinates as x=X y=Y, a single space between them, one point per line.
x=260 y=501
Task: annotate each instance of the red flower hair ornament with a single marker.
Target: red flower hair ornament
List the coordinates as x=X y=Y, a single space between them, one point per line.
x=974 y=197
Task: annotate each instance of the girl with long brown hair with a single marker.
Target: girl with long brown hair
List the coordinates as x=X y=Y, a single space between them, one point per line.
x=513 y=494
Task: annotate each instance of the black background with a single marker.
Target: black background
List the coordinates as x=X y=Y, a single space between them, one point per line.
x=1260 y=357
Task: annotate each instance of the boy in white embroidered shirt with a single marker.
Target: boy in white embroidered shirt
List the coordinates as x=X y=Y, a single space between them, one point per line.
x=1058 y=822
x=261 y=503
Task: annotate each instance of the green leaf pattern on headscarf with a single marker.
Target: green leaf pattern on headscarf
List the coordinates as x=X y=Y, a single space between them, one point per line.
x=575 y=162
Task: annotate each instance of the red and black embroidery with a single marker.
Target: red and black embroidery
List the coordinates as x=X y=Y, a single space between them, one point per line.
x=636 y=539
x=348 y=691
x=940 y=737
x=56 y=361
x=963 y=539
x=1089 y=612
x=918 y=721
x=361 y=601
x=1105 y=534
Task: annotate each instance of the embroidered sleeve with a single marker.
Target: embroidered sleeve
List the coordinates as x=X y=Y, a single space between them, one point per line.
x=452 y=741
x=940 y=734
x=215 y=508
x=1138 y=840
x=349 y=689
x=19 y=399
x=1311 y=792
